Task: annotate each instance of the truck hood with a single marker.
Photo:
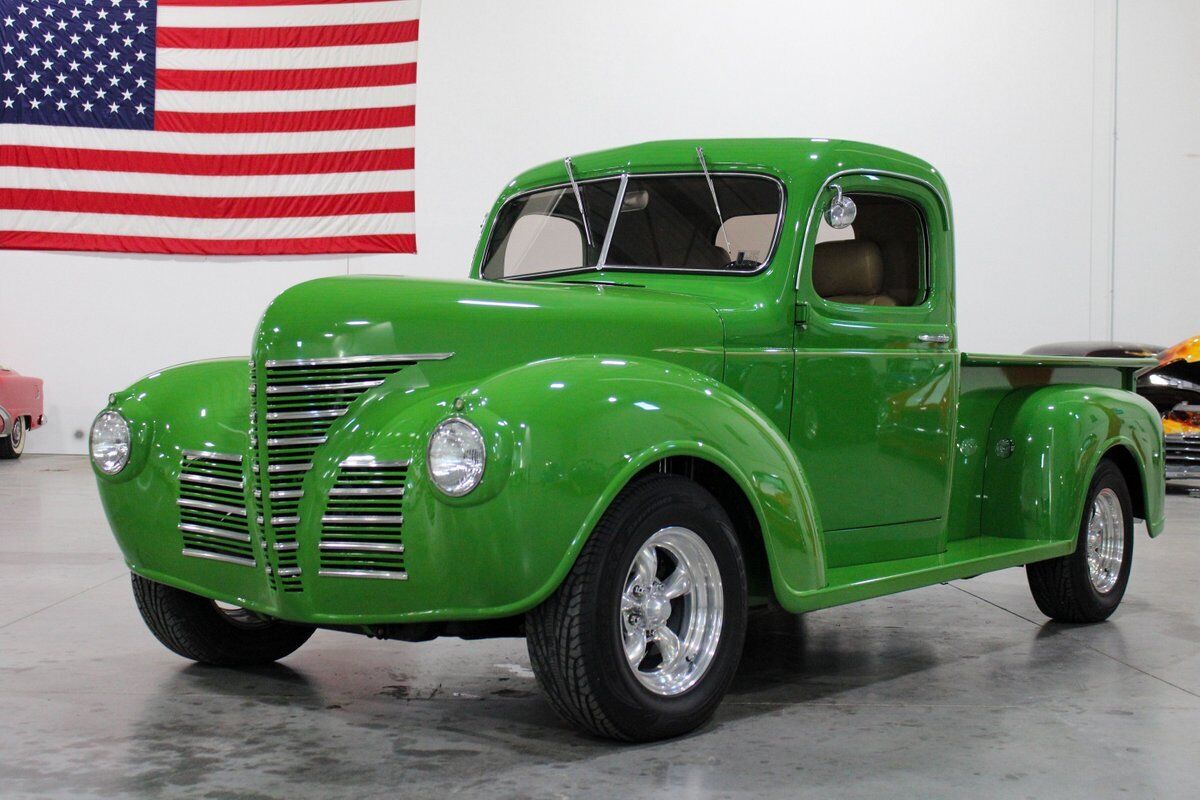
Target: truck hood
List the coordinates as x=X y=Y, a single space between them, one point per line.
x=487 y=326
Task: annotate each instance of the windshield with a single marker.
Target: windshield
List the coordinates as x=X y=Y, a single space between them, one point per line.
x=664 y=222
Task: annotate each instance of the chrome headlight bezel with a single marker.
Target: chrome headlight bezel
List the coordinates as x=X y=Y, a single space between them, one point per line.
x=110 y=431
x=472 y=452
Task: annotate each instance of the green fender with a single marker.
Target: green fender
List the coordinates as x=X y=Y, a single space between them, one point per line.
x=1044 y=446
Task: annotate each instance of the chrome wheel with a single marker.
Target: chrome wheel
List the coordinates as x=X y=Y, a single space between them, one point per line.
x=1105 y=541
x=672 y=609
x=16 y=438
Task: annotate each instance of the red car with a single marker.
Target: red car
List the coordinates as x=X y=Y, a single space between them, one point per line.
x=20 y=410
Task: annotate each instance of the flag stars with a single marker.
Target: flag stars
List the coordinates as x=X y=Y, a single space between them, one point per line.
x=87 y=105
x=112 y=107
x=61 y=105
x=141 y=109
x=8 y=102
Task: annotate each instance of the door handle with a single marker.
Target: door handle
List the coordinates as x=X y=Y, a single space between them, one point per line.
x=934 y=338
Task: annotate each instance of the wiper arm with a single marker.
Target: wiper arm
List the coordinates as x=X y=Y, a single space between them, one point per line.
x=716 y=204
x=587 y=229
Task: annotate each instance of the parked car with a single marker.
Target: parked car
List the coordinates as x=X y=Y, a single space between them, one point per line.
x=1172 y=385
x=682 y=381
x=20 y=410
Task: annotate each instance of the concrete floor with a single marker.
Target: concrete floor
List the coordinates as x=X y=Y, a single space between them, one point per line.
x=951 y=690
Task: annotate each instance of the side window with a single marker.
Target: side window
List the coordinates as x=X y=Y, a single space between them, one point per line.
x=880 y=260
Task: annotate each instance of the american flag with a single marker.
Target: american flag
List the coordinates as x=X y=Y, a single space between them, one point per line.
x=214 y=127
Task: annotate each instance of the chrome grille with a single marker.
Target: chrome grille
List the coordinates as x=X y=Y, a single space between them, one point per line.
x=361 y=528
x=295 y=404
x=1182 y=456
x=212 y=508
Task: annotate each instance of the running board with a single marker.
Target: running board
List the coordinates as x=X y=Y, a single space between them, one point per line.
x=963 y=558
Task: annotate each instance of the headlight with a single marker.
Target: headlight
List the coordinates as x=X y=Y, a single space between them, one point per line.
x=456 y=456
x=110 y=442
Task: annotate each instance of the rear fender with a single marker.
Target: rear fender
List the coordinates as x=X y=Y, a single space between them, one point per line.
x=1044 y=446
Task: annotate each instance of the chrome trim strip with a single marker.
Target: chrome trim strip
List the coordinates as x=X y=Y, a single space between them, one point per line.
x=371 y=461
x=367 y=491
x=329 y=413
x=348 y=360
x=208 y=454
x=284 y=494
x=288 y=572
x=362 y=573
x=204 y=505
x=285 y=520
x=381 y=547
x=305 y=388
x=366 y=519
x=295 y=441
x=277 y=468
x=188 y=477
x=188 y=527
x=242 y=562
x=286 y=547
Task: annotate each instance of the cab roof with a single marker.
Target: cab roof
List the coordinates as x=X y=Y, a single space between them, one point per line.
x=789 y=159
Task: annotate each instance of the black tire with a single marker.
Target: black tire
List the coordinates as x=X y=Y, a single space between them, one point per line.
x=12 y=445
x=197 y=628
x=1062 y=587
x=574 y=637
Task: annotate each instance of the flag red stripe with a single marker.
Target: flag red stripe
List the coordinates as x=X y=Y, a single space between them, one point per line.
x=258 y=2
x=39 y=240
x=251 y=80
x=285 y=121
x=193 y=164
x=161 y=205
x=305 y=36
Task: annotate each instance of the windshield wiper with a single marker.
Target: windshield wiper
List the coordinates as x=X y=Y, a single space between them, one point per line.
x=716 y=204
x=587 y=229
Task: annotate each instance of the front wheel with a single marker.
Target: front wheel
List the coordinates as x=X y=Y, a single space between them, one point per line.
x=13 y=445
x=1087 y=585
x=211 y=633
x=643 y=637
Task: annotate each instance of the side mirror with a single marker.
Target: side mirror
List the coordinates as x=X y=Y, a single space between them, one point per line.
x=841 y=211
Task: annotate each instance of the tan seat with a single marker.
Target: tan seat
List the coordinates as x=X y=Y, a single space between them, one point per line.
x=850 y=271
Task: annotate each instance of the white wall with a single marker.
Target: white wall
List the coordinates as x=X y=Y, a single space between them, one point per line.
x=1013 y=101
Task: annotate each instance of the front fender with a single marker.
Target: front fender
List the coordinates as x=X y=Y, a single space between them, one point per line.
x=564 y=437
x=1054 y=437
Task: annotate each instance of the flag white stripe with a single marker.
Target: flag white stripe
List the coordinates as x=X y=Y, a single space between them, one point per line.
x=287 y=100
x=79 y=180
x=286 y=16
x=206 y=143
x=193 y=228
x=367 y=55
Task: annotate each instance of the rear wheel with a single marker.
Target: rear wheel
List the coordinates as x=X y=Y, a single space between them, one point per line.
x=211 y=632
x=1087 y=585
x=13 y=445
x=643 y=638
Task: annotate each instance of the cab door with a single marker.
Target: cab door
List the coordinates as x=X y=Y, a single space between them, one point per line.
x=875 y=379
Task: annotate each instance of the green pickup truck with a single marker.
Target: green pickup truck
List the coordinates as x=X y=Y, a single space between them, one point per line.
x=684 y=379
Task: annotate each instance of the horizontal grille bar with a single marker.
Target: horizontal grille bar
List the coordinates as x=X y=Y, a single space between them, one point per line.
x=276 y=469
x=367 y=491
x=353 y=360
x=371 y=461
x=365 y=519
x=204 y=505
x=205 y=454
x=295 y=441
x=381 y=547
x=362 y=573
x=190 y=527
x=328 y=413
x=244 y=562
x=309 y=388
x=207 y=480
